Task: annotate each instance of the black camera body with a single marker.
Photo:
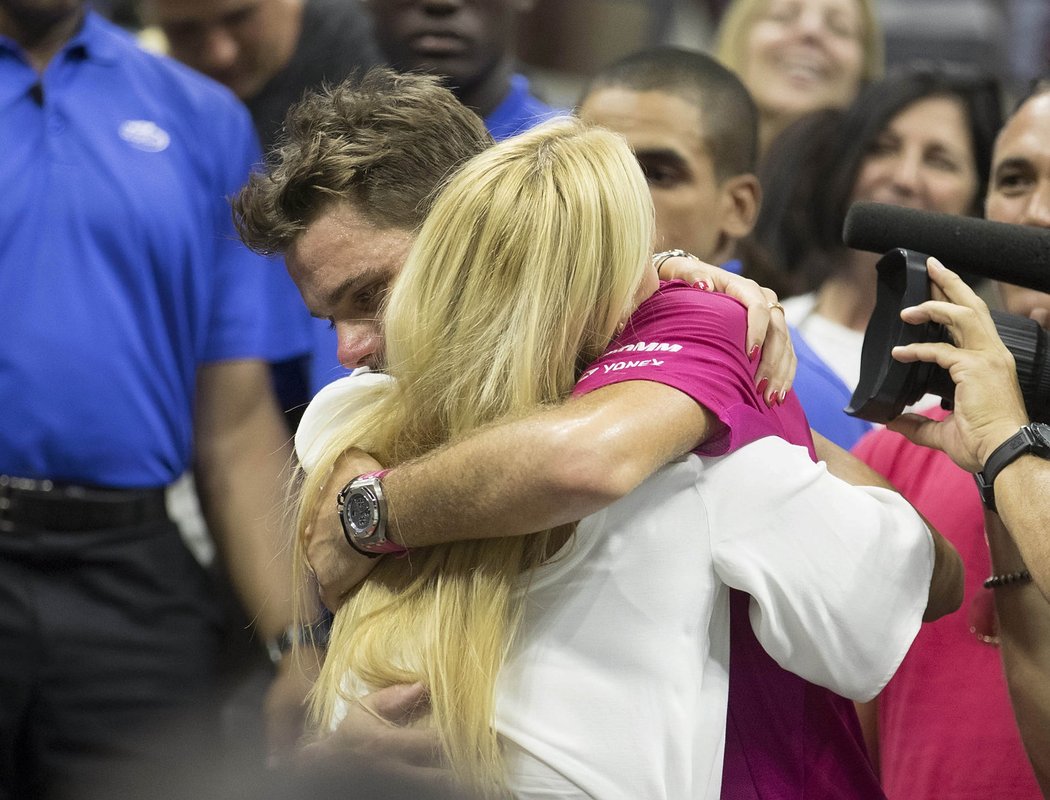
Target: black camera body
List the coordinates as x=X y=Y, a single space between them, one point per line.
x=887 y=386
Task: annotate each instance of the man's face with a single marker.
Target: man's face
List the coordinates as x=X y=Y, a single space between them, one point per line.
x=343 y=266
x=35 y=15
x=666 y=134
x=1019 y=187
x=240 y=43
x=460 y=39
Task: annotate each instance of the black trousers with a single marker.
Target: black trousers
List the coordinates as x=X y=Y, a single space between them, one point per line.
x=109 y=659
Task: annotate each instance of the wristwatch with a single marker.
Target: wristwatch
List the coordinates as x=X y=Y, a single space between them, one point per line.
x=1033 y=438
x=362 y=512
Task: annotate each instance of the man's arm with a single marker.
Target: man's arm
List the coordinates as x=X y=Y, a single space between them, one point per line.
x=989 y=409
x=946 y=583
x=1022 y=496
x=387 y=738
x=1024 y=635
x=513 y=478
x=241 y=460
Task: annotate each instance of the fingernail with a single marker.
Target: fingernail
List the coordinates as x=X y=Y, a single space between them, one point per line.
x=762 y=387
x=752 y=354
x=701 y=285
x=781 y=397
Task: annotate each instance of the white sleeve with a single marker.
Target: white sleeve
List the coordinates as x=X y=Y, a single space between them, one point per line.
x=329 y=409
x=839 y=575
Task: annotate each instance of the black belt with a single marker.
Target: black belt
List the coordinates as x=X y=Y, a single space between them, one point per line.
x=48 y=505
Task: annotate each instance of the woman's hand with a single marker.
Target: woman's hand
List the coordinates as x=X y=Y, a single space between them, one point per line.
x=767 y=329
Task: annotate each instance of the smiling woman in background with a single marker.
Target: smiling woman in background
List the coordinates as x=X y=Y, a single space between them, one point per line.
x=798 y=56
x=921 y=138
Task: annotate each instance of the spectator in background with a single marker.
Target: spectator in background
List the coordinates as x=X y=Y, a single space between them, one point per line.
x=791 y=173
x=269 y=52
x=798 y=56
x=687 y=119
x=683 y=114
x=943 y=726
x=471 y=47
x=920 y=138
x=139 y=332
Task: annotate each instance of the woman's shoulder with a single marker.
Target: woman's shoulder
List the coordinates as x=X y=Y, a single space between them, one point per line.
x=329 y=407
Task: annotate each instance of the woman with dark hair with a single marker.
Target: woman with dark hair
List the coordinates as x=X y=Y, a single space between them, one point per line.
x=920 y=138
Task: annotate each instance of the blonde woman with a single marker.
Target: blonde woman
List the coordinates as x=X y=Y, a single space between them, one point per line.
x=592 y=660
x=798 y=56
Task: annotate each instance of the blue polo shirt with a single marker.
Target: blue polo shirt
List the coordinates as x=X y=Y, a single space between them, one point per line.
x=824 y=395
x=519 y=111
x=120 y=270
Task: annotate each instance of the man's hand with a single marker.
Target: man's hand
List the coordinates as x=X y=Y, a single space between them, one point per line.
x=382 y=732
x=337 y=566
x=989 y=407
x=767 y=330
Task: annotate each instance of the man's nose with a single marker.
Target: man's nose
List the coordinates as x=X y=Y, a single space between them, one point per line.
x=219 y=51
x=357 y=343
x=1037 y=211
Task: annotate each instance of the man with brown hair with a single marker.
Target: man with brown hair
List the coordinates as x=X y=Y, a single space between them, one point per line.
x=345 y=240
x=349 y=187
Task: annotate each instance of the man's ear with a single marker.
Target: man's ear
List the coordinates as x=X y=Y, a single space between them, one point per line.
x=741 y=200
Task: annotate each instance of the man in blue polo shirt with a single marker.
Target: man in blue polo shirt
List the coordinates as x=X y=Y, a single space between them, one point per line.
x=137 y=331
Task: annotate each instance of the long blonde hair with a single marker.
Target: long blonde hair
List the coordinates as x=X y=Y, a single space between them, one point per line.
x=530 y=256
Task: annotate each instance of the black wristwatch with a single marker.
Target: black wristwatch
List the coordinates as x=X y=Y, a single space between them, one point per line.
x=362 y=512
x=1033 y=438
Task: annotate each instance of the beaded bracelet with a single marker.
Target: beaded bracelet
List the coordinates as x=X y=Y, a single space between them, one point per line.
x=1007 y=578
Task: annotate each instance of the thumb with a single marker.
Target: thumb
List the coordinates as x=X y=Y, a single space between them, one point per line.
x=914 y=427
x=400 y=703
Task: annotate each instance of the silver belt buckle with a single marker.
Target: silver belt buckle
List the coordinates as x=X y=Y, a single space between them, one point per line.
x=9 y=483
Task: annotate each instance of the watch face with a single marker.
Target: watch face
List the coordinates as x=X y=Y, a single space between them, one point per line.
x=1041 y=432
x=360 y=512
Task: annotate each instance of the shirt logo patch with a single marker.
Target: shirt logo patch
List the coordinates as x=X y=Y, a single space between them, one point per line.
x=144 y=135
x=646 y=347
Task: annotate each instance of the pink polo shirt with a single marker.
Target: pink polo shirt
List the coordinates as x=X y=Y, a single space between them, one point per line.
x=785 y=737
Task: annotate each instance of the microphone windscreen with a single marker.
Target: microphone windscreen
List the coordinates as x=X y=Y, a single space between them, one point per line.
x=1015 y=254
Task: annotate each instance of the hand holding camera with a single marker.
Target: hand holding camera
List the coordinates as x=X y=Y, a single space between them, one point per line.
x=989 y=406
